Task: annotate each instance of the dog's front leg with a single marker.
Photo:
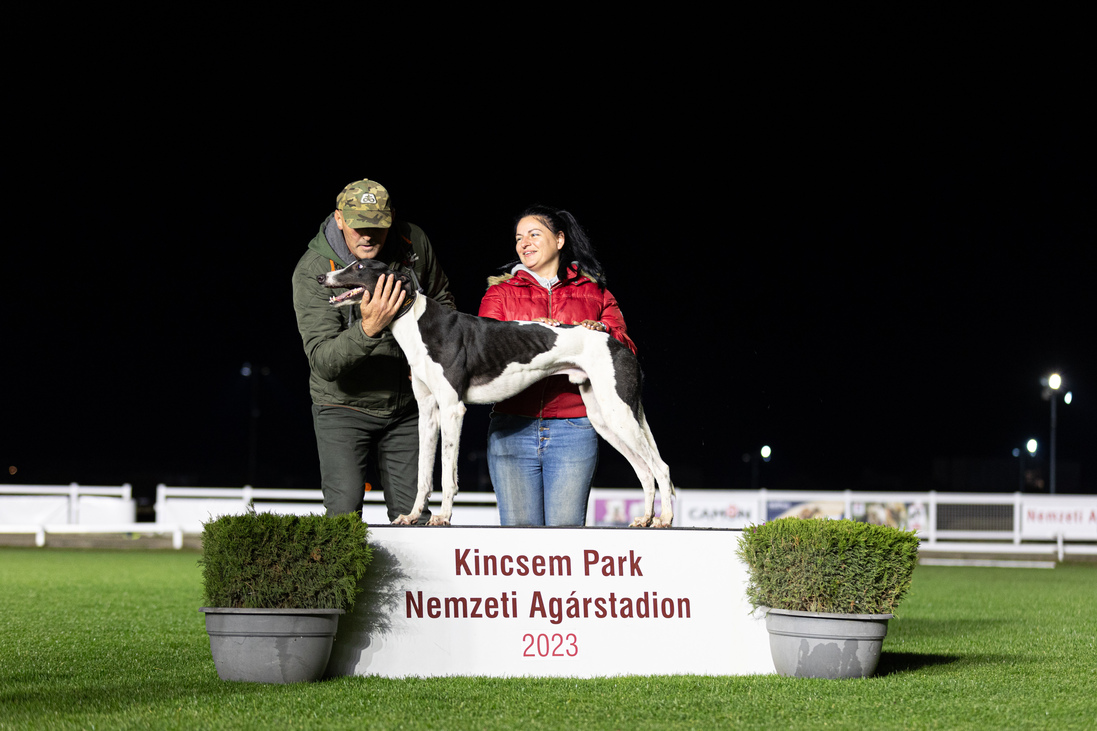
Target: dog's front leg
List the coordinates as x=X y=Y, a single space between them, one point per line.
x=452 y=417
x=649 y=508
x=428 y=443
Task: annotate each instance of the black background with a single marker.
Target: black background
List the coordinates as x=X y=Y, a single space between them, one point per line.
x=866 y=273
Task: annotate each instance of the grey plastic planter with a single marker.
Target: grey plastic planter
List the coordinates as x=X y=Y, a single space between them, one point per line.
x=821 y=645
x=271 y=645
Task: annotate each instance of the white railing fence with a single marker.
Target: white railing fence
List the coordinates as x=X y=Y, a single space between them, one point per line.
x=962 y=522
x=945 y=521
x=179 y=511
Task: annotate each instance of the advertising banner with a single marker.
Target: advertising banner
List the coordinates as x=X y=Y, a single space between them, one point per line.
x=571 y=602
x=805 y=509
x=895 y=514
x=716 y=509
x=1071 y=516
x=609 y=507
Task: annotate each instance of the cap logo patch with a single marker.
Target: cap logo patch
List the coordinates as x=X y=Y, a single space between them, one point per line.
x=369 y=198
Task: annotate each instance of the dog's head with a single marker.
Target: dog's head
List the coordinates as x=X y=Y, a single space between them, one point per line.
x=359 y=278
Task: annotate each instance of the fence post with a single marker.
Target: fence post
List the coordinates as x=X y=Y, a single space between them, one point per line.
x=932 y=517
x=1017 y=519
x=161 y=501
x=74 y=500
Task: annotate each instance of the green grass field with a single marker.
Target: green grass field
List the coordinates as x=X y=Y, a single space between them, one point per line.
x=114 y=640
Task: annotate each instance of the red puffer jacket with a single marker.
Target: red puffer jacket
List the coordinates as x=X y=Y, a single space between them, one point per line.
x=573 y=299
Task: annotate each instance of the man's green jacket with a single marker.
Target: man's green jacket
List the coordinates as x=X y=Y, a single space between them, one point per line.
x=349 y=368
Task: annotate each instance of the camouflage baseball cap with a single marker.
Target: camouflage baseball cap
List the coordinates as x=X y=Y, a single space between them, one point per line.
x=365 y=203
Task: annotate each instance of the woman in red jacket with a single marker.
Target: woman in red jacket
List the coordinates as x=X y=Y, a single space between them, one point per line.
x=542 y=449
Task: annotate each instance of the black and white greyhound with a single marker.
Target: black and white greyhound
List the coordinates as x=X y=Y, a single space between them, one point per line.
x=457 y=358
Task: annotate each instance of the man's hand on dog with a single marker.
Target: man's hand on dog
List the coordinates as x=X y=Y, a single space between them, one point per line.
x=379 y=309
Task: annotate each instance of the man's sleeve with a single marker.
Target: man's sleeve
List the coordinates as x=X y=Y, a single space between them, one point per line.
x=434 y=280
x=614 y=320
x=331 y=347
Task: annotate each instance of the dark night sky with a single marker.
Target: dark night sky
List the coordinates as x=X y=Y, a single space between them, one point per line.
x=864 y=286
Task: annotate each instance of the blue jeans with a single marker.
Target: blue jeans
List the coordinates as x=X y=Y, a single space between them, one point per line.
x=541 y=468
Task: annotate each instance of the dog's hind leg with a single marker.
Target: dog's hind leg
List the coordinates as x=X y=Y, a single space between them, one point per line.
x=428 y=444
x=662 y=474
x=622 y=432
x=452 y=416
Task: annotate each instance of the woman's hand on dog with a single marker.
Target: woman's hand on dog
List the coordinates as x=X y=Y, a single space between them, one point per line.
x=588 y=324
x=596 y=325
x=379 y=309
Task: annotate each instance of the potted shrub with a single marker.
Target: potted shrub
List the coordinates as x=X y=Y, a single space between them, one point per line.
x=828 y=589
x=274 y=587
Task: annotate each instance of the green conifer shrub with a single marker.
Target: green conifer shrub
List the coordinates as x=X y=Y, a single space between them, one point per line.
x=819 y=565
x=268 y=561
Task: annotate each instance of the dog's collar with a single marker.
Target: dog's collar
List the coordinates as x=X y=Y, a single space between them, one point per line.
x=409 y=262
x=418 y=288
x=408 y=302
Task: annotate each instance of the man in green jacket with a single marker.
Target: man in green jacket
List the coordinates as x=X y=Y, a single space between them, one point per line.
x=359 y=378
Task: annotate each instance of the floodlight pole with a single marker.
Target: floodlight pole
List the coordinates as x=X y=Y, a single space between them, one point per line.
x=1051 y=386
x=766 y=454
x=1051 y=472
x=1030 y=447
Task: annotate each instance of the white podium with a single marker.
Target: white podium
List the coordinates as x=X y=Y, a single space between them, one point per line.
x=571 y=602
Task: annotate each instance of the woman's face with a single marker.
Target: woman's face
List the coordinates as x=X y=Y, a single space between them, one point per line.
x=538 y=247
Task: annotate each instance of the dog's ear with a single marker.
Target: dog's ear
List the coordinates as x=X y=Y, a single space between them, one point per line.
x=409 y=284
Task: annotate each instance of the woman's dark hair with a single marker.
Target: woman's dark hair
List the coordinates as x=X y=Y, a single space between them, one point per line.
x=577 y=246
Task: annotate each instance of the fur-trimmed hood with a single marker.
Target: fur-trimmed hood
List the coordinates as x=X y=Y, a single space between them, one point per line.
x=573 y=276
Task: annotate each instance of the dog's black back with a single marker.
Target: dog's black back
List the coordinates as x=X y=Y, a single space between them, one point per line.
x=475 y=350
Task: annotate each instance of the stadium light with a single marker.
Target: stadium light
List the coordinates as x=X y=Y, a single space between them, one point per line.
x=1030 y=446
x=1051 y=385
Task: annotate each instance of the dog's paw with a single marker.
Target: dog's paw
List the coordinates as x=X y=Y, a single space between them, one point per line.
x=404 y=520
x=437 y=520
x=652 y=522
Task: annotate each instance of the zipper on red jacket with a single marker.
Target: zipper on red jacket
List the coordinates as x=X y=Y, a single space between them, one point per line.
x=541 y=409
